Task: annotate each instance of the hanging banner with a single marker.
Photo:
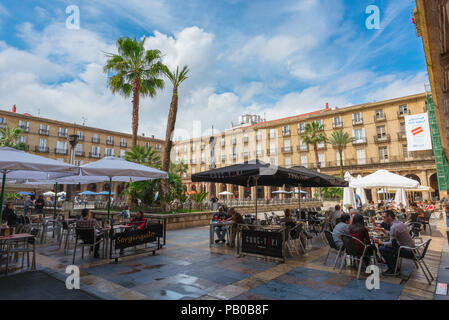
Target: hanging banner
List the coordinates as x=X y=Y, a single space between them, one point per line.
x=418 y=132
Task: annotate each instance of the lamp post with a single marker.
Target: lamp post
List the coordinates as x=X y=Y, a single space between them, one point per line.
x=73 y=140
x=318 y=167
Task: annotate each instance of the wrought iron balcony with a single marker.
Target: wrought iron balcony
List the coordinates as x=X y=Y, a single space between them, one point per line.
x=94 y=155
x=359 y=141
x=382 y=138
x=60 y=151
x=44 y=132
x=95 y=140
x=41 y=149
x=380 y=118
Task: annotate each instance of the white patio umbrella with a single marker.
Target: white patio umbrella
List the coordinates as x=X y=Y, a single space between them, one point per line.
x=281 y=192
x=348 y=192
x=361 y=192
x=384 y=179
x=48 y=194
x=401 y=198
x=226 y=193
x=111 y=168
x=17 y=164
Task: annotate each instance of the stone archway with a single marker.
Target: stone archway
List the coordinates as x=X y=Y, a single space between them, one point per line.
x=414 y=177
x=433 y=183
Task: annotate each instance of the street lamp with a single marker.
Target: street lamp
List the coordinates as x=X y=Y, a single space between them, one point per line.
x=73 y=140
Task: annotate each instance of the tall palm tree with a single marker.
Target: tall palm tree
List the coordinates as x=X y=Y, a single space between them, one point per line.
x=313 y=135
x=134 y=70
x=176 y=78
x=339 y=140
x=9 y=137
x=145 y=156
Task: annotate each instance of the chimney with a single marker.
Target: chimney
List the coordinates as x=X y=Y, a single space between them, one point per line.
x=14 y=108
x=327 y=105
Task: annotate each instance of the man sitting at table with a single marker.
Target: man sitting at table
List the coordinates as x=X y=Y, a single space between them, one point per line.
x=399 y=236
x=9 y=215
x=236 y=219
x=220 y=216
x=418 y=210
x=87 y=222
x=335 y=215
x=342 y=228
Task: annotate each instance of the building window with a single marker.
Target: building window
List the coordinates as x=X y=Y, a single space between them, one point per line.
x=288 y=162
x=361 y=156
x=337 y=123
x=259 y=150
x=2 y=121
x=322 y=159
x=193 y=170
x=287 y=146
x=95 y=151
x=272 y=147
x=62 y=132
x=23 y=139
x=184 y=149
x=95 y=138
x=61 y=147
x=80 y=135
x=272 y=133
x=407 y=155
x=383 y=154
x=24 y=125
x=109 y=152
x=44 y=129
x=379 y=114
x=109 y=140
x=359 y=135
x=158 y=147
x=273 y=161
x=147 y=145
x=286 y=130
x=301 y=127
x=357 y=118
x=302 y=145
x=381 y=133
x=304 y=162
x=403 y=110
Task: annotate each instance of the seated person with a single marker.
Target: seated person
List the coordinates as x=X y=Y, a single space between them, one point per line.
x=335 y=215
x=220 y=230
x=430 y=206
x=9 y=215
x=419 y=211
x=381 y=205
x=359 y=231
x=384 y=225
x=139 y=220
x=86 y=221
x=399 y=236
x=125 y=213
x=236 y=219
x=341 y=229
x=402 y=214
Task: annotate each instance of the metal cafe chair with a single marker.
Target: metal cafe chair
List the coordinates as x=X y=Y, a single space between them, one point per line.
x=426 y=221
x=68 y=231
x=293 y=239
x=332 y=246
x=350 y=250
x=415 y=229
x=418 y=255
x=88 y=237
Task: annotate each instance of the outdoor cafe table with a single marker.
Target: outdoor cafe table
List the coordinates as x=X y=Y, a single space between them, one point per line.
x=6 y=243
x=227 y=224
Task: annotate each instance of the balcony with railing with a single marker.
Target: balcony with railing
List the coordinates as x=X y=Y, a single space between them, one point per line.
x=62 y=134
x=79 y=153
x=41 y=149
x=286 y=133
x=402 y=114
x=80 y=137
x=382 y=138
x=303 y=148
x=322 y=146
x=60 y=151
x=402 y=136
x=123 y=144
x=337 y=125
x=94 y=155
x=44 y=132
x=359 y=141
x=380 y=117
x=95 y=140
x=357 y=122
x=287 y=150
x=110 y=142
x=271 y=152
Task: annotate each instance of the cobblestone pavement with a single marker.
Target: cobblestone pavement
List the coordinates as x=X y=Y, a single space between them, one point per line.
x=186 y=268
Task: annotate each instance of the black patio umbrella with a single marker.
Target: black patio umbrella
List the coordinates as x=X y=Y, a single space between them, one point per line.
x=256 y=173
x=319 y=179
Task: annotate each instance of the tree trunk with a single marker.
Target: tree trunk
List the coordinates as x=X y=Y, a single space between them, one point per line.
x=168 y=138
x=340 y=151
x=315 y=150
x=135 y=120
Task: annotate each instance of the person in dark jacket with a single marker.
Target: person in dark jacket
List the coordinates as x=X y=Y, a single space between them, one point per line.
x=39 y=205
x=220 y=230
x=9 y=215
x=358 y=230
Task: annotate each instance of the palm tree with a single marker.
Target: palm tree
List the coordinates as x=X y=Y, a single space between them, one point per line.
x=313 y=135
x=134 y=70
x=339 y=140
x=9 y=137
x=145 y=156
x=176 y=78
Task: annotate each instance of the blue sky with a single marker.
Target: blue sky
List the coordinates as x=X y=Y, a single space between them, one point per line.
x=275 y=58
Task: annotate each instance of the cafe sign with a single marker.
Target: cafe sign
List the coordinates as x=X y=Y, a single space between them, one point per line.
x=131 y=238
x=262 y=242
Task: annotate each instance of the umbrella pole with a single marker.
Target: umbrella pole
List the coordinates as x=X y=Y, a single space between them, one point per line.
x=2 y=195
x=56 y=197
x=109 y=197
x=256 y=199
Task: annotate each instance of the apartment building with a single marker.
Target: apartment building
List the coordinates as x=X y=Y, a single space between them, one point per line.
x=50 y=138
x=379 y=142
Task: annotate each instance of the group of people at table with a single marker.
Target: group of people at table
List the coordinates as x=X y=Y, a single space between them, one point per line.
x=17 y=221
x=390 y=234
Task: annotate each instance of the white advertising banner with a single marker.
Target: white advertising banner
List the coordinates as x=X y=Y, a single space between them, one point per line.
x=418 y=132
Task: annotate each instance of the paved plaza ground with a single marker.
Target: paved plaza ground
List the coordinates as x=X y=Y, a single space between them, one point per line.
x=187 y=268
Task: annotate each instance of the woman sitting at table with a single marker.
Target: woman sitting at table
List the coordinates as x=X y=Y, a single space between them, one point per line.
x=358 y=230
x=139 y=220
